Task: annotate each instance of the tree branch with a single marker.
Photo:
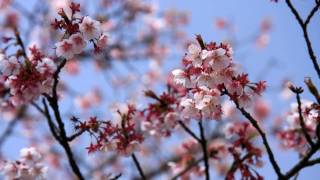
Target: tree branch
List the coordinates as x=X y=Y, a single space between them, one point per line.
x=189 y=167
x=136 y=162
x=75 y=135
x=312 y=13
x=305 y=34
x=236 y=163
x=255 y=124
x=53 y=101
x=204 y=150
x=302 y=123
x=303 y=162
x=52 y=126
x=189 y=131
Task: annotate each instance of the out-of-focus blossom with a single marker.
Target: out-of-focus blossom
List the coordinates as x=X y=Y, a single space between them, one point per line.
x=91 y=29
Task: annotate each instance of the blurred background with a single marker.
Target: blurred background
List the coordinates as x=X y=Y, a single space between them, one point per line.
x=268 y=45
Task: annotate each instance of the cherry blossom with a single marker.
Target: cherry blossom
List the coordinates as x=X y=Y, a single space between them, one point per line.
x=91 y=29
x=65 y=49
x=29 y=166
x=9 y=66
x=78 y=43
x=29 y=79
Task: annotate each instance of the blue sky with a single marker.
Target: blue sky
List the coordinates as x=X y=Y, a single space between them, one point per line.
x=286 y=46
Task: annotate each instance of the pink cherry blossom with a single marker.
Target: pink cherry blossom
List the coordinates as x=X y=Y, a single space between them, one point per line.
x=9 y=66
x=78 y=43
x=65 y=49
x=91 y=29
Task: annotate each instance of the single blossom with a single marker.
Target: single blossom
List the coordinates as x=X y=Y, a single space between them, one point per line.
x=194 y=55
x=180 y=77
x=9 y=66
x=78 y=43
x=91 y=29
x=65 y=49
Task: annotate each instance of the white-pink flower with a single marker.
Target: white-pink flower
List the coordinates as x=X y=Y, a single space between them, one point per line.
x=180 y=77
x=46 y=65
x=189 y=111
x=91 y=29
x=30 y=155
x=193 y=55
x=65 y=49
x=9 y=66
x=10 y=170
x=171 y=119
x=27 y=167
x=78 y=43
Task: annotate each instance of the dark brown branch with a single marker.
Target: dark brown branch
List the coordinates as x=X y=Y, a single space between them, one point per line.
x=163 y=167
x=75 y=135
x=185 y=127
x=116 y=177
x=255 y=124
x=303 y=162
x=35 y=105
x=312 y=13
x=204 y=150
x=312 y=162
x=56 y=78
x=200 y=41
x=20 y=43
x=136 y=162
x=306 y=35
x=52 y=126
x=53 y=101
x=302 y=123
x=189 y=167
x=236 y=163
x=133 y=156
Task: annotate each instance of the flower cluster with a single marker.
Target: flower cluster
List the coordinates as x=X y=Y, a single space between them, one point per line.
x=28 y=167
x=119 y=135
x=187 y=152
x=292 y=136
x=242 y=144
x=27 y=79
x=208 y=73
x=78 y=31
x=160 y=117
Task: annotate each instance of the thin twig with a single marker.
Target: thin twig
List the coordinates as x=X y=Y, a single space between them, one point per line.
x=136 y=162
x=53 y=101
x=52 y=126
x=312 y=13
x=163 y=167
x=189 y=167
x=189 y=131
x=205 y=150
x=133 y=156
x=35 y=105
x=263 y=136
x=236 y=163
x=306 y=35
x=303 y=162
x=302 y=123
x=75 y=135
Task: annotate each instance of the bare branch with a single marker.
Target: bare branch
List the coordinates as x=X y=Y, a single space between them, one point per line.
x=306 y=35
x=189 y=131
x=301 y=120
